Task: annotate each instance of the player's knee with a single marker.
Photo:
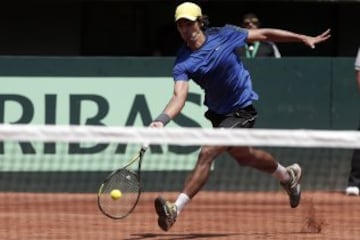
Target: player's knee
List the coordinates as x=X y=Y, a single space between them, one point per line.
x=209 y=153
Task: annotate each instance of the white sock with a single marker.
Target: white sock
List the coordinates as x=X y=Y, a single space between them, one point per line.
x=181 y=201
x=281 y=173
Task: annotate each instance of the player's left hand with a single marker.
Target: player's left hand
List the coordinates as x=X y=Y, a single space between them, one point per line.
x=312 y=41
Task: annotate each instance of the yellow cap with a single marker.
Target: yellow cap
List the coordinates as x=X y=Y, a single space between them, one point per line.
x=188 y=10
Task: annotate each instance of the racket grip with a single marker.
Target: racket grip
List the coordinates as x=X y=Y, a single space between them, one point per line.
x=145 y=146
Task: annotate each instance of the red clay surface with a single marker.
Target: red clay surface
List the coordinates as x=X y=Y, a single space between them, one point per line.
x=211 y=215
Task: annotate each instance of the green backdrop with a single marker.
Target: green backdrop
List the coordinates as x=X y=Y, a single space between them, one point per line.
x=312 y=93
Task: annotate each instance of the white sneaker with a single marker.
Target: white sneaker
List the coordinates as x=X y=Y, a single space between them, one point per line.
x=352 y=191
x=166 y=212
x=292 y=187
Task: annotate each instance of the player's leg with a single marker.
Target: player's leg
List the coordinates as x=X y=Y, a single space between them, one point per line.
x=167 y=211
x=261 y=160
x=352 y=188
x=256 y=158
x=353 y=185
x=200 y=174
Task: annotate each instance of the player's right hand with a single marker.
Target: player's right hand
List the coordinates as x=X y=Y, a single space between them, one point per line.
x=156 y=124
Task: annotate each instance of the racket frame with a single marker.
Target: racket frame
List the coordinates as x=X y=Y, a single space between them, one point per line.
x=137 y=157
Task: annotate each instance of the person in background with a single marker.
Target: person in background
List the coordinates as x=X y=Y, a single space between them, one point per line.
x=208 y=57
x=353 y=186
x=257 y=48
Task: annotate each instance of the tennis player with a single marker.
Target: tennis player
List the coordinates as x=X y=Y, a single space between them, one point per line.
x=208 y=57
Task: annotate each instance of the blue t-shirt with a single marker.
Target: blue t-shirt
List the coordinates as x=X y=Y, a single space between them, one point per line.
x=217 y=69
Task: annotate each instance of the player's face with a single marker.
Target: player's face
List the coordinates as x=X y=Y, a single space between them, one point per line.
x=190 y=31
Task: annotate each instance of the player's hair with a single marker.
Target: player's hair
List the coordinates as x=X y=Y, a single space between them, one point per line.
x=204 y=22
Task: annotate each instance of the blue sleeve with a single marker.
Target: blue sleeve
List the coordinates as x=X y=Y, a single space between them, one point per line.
x=179 y=72
x=236 y=34
x=237 y=28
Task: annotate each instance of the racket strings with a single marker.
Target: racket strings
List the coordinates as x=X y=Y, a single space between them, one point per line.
x=128 y=183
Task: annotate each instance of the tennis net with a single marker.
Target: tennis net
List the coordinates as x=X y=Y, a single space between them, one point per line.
x=50 y=176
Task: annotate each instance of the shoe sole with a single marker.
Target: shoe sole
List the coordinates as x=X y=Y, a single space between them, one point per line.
x=160 y=207
x=162 y=213
x=295 y=204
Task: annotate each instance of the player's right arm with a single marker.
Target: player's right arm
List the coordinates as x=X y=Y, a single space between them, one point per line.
x=175 y=104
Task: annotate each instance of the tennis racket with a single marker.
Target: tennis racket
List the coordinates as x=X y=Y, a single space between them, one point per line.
x=126 y=183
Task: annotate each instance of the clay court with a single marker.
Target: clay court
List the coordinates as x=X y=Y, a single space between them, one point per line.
x=212 y=215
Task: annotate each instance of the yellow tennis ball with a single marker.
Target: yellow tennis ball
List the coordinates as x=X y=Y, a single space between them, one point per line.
x=115 y=194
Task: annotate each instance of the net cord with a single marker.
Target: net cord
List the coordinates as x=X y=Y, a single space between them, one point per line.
x=182 y=136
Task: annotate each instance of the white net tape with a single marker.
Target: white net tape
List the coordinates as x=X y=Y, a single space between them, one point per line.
x=182 y=136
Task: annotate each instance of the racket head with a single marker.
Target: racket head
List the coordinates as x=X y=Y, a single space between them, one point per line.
x=128 y=182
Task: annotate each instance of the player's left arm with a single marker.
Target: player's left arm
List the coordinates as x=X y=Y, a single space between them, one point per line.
x=279 y=35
